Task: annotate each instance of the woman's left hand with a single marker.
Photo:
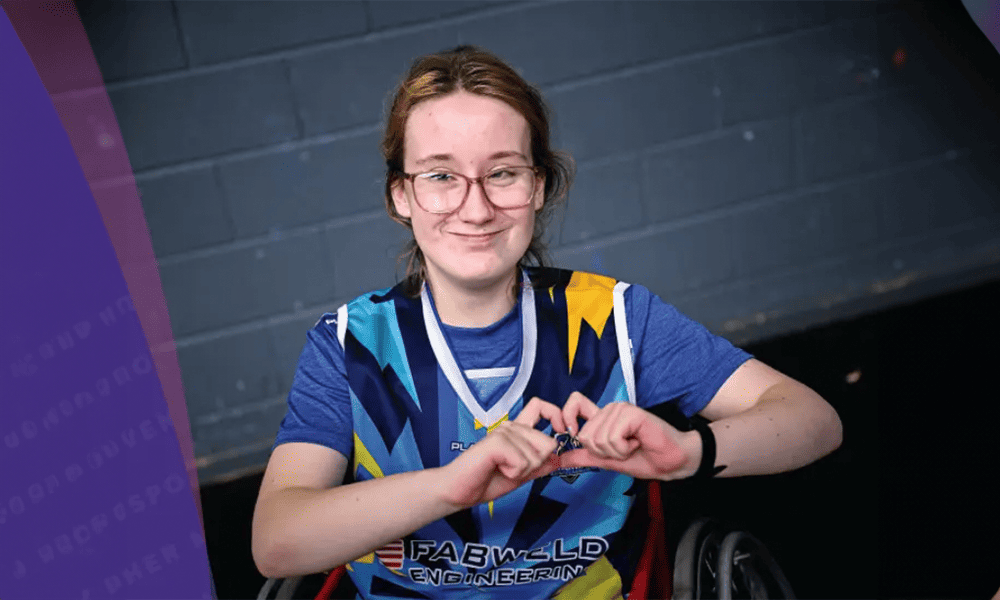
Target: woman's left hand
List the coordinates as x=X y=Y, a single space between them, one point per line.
x=625 y=438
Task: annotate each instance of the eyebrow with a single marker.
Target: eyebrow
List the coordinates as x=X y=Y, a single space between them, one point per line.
x=449 y=157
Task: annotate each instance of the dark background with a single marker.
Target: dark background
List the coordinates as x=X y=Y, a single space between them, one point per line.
x=906 y=508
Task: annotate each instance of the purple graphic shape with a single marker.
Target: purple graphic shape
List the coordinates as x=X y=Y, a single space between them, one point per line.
x=57 y=44
x=986 y=14
x=95 y=498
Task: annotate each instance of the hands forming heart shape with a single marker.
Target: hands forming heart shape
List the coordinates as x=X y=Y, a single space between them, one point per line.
x=619 y=437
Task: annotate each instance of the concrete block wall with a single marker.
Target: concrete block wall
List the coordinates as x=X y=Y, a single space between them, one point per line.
x=762 y=165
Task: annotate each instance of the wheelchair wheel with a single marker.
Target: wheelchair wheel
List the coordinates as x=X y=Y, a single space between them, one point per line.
x=307 y=587
x=695 y=561
x=279 y=589
x=713 y=561
x=750 y=571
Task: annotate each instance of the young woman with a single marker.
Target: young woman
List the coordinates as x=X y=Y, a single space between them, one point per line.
x=496 y=417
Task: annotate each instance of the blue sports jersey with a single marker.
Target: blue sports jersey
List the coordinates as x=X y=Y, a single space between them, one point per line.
x=413 y=405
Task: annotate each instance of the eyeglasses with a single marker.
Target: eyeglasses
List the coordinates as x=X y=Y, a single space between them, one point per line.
x=442 y=192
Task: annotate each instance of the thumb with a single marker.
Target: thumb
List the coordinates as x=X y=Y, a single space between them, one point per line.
x=551 y=464
x=583 y=458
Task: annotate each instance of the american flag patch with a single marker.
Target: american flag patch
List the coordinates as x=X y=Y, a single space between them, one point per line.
x=391 y=555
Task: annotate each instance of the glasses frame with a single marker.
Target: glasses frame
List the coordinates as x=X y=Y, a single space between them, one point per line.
x=470 y=181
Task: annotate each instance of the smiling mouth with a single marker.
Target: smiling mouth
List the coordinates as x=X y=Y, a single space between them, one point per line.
x=474 y=237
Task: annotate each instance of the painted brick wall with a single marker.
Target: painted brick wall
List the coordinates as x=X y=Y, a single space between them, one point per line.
x=764 y=166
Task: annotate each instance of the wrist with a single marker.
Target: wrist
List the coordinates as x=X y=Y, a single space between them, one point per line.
x=691 y=444
x=440 y=485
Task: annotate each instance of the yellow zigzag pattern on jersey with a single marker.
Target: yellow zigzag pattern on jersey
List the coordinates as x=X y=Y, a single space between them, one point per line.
x=599 y=582
x=364 y=458
x=589 y=298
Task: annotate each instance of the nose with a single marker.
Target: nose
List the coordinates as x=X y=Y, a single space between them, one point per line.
x=477 y=208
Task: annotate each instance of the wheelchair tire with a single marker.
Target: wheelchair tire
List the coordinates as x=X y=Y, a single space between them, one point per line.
x=754 y=572
x=695 y=559
x=714 y=561
x=279 y=589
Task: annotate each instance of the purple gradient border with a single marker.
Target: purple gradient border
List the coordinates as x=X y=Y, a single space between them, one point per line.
x=98 y=486
x=70 y=73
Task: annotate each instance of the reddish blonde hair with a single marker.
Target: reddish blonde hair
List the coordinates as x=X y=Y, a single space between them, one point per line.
x=476 y=71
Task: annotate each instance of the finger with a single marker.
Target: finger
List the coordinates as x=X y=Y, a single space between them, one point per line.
x=552 y=462
x=527 y=449
x=577 y=406
x=540 y=409
x=596 y=440
x=514 y=464
x=505 y=452
x=622 y=447
x=606 y=437
x=586 y=458
x=622 y=428
x=543 y=444
x=595 y=435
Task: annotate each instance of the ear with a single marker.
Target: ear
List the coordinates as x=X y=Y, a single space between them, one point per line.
x=399 y=199
x=539 y=199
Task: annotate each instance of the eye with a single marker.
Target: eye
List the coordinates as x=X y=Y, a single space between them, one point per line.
x=502 y=176
x=438 y=177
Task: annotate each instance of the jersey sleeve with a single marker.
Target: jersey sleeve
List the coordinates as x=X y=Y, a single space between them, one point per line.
x=319 y=403
x=676 y=359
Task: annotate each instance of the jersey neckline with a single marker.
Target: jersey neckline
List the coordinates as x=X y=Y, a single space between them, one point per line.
x=445 y=358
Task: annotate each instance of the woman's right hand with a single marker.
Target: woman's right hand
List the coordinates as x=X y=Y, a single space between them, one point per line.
x=509 y=456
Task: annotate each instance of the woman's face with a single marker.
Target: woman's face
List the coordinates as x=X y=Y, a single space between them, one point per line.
x=478 y=245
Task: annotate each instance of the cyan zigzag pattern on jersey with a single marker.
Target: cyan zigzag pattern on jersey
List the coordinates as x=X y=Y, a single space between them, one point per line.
x=393 y=410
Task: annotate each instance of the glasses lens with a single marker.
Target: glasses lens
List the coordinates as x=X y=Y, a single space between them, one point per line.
x=439 y=191
x=510 y=187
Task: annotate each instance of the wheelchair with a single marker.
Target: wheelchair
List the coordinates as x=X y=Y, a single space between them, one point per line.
x=713 y=560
